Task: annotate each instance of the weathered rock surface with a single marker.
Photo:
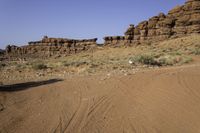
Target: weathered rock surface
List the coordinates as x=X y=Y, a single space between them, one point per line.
x=180 y=21
x=48 y=47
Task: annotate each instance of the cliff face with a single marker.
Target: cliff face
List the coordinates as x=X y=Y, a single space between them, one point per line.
x=180 y=21
x=51 y=47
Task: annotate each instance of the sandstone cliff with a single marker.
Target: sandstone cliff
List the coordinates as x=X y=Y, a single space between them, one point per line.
x=180 y=21
x=51 y=47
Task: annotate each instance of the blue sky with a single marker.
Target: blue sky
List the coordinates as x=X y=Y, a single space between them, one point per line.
x=28 y=20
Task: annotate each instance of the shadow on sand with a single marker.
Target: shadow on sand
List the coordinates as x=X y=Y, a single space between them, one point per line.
x=27 y=85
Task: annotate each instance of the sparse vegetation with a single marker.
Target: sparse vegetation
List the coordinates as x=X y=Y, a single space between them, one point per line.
x=21 y=66
x=2 y=65
x=39 y=66
x=175 y=53
x=186 y=59
x=147 y=59
x=160 y=59
x=196 y=51
x=74 y=63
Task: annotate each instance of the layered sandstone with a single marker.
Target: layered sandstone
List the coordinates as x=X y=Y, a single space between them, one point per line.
x=180 y=21
x=51 y=47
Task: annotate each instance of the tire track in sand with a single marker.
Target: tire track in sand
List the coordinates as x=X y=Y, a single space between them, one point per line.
x=80 y=116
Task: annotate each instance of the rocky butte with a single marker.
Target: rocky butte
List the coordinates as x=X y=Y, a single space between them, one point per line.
x=180 y=21
x=48 y=47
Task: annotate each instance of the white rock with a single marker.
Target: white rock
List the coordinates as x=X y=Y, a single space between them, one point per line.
x=130 y=62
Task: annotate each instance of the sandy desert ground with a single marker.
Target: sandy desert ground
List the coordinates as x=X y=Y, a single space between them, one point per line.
x=165 y=100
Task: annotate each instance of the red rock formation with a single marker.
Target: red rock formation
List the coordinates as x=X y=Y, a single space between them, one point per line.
x=180 y=21
x=51 y=47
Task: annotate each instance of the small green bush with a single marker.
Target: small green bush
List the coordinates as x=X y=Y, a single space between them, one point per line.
x=160 y=60
x=196 y=51
x=145 y=59
x=186 y=60
x=174 y=53
x=167 y=60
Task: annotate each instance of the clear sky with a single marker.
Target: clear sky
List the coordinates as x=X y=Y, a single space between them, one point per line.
x=29 y=20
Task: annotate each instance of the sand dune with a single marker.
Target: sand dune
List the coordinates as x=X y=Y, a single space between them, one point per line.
x=155 y=101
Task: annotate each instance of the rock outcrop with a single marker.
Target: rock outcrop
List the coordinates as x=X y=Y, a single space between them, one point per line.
x=180 y=21
x=48 y=47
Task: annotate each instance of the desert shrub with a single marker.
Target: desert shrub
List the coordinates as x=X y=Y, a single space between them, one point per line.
x=172 y=60
x=146 y=59
x=2 y=65
x=94 y=65
x=167 y=60
x=196 y=51
x=20 y=66
x=57 y=64
x=175 y=53
x=160 y=59
x=186 y=59
x=74 y=63
x=39 y=66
